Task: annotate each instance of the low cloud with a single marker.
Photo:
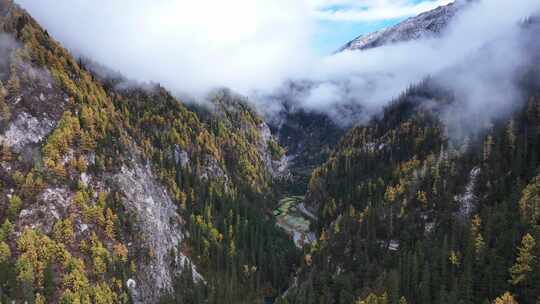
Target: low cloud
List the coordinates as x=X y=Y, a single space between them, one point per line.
x=195 y=46
x=260 y=47
x=187 y=46
x=479 y=57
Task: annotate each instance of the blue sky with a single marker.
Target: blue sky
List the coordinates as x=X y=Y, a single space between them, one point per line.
x=332 y=35
x=339 y=21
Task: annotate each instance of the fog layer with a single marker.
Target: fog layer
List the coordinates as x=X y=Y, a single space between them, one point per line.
x=259 y=47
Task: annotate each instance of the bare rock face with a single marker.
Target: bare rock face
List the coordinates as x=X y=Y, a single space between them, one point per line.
x=467 y=200
x=161 y=233
x=425 y=25
x=51 y=206
x=181 y=157
x=212 y=170
x=277 y=168
x=26 y=129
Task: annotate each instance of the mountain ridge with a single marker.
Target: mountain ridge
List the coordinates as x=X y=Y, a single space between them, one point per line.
x=426 y=25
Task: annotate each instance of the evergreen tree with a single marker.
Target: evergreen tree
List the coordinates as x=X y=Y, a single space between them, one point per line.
x=5 y=112
x=525 y=261
x=13 y=84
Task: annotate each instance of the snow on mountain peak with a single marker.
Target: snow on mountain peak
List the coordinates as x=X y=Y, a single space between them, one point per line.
x=427 y=24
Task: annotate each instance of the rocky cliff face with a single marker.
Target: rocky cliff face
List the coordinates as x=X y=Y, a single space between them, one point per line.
x=160 y=232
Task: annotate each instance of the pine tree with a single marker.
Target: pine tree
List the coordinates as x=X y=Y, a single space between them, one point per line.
x=476 y=235
x=425 y=285
x=13 y=84
x=63 y=231
x=110 y=219
x=5 y=252
x=15 y=205
x=393 y=287
x=525 y=262
x=529 y=204
x=5 y=112
x=488 y=147
x=5 y=230
x=511 y=134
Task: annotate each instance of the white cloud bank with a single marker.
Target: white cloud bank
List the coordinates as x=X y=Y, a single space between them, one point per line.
x=195 y=45
x=187 y=46
x=484 y=39
x=256 y=45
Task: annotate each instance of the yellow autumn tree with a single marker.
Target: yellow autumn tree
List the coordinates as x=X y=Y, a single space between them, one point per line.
x=506 y=298
x=529 y=204
x=5 y=112
x=525 y=261
x=63 y=231
x=5 y=252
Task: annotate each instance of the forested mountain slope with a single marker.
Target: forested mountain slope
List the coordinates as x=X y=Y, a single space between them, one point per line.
x=308 y=138
x=124 y=195
x=408 y=214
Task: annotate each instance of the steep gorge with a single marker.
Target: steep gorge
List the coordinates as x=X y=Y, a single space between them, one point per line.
x=111 y=193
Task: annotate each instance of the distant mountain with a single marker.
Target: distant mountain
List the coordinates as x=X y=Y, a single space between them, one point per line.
x=425 y=25
x=307 y=136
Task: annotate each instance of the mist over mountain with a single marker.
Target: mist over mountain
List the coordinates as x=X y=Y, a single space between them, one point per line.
x=188 y=47
x=276 y=52
x=372 y=78
x=200 y=152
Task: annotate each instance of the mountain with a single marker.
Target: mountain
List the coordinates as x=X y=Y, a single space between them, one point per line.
x=308 y=139
x=404 y=214
x=308 y=136
x=425 y=25
x=119 y=194
x=408 y=214
x=113 y=192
